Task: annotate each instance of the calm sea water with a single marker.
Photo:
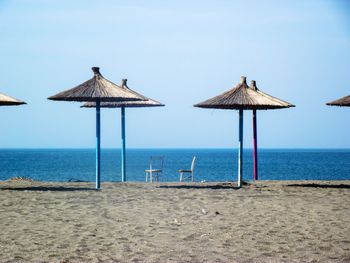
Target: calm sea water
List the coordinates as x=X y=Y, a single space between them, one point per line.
x=212 y=164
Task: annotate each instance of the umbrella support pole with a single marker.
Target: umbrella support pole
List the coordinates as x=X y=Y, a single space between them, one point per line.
x=98 y=146
x=255 y=147
x=123 y=144
x=240 y=149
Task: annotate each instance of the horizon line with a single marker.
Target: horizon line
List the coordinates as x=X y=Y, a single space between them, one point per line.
x=175 y=148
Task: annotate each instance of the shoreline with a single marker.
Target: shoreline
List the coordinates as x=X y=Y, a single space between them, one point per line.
x=24 y=179
x=265 y=221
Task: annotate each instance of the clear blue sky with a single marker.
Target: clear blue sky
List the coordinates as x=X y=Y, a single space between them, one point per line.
x=180 y=53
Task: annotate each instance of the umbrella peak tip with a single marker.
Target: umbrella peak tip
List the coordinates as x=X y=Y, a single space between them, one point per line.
x=243 y=79
x=123 y=84
x=253 y=85
x=96 y=70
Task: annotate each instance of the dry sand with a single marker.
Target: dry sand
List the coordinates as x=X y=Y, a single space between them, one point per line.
x=171 y=222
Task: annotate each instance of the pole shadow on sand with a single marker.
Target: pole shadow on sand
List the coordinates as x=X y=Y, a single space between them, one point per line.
x=196 y=186
x=314 y=185
x=47 y=188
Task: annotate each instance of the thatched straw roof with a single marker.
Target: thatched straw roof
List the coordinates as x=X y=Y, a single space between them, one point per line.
x=246 y=98
x=96 y=89
x=345 y=101
x=9 y=101
x=147 y=102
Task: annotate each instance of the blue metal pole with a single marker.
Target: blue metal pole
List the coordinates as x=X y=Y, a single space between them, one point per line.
x=255 y=147
x=123 y=144
x=240 y=150
x=98 y=146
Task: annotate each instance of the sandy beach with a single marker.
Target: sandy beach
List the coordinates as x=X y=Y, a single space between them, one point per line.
x=290 y=221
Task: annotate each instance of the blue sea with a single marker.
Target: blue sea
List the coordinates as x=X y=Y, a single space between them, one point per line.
x=211 y=165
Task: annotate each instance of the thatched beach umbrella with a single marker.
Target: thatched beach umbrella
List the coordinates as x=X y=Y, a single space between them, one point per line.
x=9 y=101
x=265 y=102
x=242 y=98
x=345 y=101
x=97 y=89
x=147 y=102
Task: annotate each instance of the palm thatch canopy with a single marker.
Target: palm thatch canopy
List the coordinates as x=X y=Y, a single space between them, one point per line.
x=245 y=98
x=345 y=101
x=146 y=102
x=9 y=101
x=96 y=89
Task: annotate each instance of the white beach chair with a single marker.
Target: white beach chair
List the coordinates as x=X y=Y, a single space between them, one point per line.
x=155 y=168
x=188 y=174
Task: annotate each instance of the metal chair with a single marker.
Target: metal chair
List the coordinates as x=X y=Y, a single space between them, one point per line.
x=155 y=168
x=188 y=174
